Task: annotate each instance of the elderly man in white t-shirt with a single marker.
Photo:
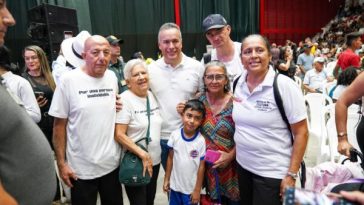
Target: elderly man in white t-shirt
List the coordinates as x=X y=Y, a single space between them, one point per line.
x=317 y=77
x=84 y=113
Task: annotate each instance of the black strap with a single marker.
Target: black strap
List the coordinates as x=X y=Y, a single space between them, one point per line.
x=147 y=139
x=75 y=52
x=235 y=82
x=279 y=102
x=148 y=113
x=206 y=58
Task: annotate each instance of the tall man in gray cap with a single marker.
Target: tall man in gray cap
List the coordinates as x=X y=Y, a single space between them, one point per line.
x=116 y=62
x=217 y=32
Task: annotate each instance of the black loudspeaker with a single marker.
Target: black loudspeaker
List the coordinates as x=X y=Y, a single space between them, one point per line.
x=48 y=25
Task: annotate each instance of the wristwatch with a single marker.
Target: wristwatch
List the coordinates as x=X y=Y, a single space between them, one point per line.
x=342 y=134
x=293 y=175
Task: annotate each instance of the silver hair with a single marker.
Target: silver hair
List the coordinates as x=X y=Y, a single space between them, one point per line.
x=167 y=26
x=221 y=65
x=130 y=65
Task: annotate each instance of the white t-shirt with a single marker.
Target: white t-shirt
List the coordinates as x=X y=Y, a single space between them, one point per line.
x=89 y=105
x=263 y=142
x=187 y=155
x=172 y=86
x=234 y=67
x=24 y=91
x=134 y=114
x=315 y=79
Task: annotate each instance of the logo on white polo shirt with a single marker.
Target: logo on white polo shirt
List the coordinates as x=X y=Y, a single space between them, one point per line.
x=263 y=105
x=194 y=153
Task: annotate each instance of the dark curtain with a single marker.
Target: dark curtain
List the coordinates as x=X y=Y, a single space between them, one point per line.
x=137 y=22
x=16 y=38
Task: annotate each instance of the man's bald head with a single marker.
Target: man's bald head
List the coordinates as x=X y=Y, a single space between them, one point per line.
x=97 y=56
x=94 y=39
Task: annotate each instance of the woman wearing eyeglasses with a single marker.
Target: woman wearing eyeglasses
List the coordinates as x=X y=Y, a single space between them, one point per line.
x=218 y=129
x=40 y=78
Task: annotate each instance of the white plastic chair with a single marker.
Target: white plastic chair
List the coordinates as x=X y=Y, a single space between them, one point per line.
x=352 y=123
x=298 y=80
x=324 y=148
x=317 y=111
x=316 y=104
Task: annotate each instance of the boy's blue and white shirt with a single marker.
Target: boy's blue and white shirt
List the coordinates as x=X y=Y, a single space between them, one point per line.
x=186 y=159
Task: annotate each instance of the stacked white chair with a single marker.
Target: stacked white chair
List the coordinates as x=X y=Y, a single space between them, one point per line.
x=352 y=123
x=317 y=110
x=298 y=80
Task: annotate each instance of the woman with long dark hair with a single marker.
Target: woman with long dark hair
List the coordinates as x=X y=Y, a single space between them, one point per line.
x=286 y=65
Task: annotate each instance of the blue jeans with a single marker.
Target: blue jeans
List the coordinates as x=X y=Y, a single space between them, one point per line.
x=164 y=154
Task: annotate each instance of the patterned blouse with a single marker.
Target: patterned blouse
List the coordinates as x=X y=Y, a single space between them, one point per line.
x=218 y=131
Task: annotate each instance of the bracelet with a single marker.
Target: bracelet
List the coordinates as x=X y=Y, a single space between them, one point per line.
x=293 y=175
x=342 y=134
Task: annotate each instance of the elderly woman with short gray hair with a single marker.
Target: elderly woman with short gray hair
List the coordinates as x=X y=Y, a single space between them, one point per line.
x=132 y=125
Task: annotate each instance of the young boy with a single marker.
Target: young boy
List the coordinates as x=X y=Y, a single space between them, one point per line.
x=185 y=163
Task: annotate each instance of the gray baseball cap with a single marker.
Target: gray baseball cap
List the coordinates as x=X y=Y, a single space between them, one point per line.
x=213 y=21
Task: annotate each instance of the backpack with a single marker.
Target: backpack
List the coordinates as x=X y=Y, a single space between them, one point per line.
x=206 y=58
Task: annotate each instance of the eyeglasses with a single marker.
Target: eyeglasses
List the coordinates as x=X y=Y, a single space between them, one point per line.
x=217 y=77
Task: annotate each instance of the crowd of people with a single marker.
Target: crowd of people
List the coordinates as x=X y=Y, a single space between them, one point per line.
x=215 y=124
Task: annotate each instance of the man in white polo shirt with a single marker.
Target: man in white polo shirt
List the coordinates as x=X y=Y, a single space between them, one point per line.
x=174 y=78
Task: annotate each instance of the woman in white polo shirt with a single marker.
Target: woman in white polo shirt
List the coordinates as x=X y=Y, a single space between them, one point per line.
x=132 y=125
x=268 y=162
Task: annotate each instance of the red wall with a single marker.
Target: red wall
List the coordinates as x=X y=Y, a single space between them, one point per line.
x=295 y=19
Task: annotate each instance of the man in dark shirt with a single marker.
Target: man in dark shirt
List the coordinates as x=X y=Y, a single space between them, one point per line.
x=116 y=62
